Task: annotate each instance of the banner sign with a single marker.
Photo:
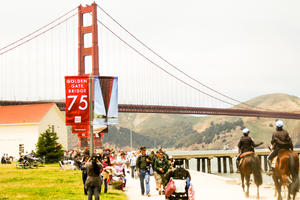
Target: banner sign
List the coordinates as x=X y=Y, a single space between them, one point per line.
x=84 y=131
x=105 y=100
x=77 y=100
x=80 y=128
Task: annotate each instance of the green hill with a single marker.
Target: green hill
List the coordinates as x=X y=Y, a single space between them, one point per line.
x=208 y=132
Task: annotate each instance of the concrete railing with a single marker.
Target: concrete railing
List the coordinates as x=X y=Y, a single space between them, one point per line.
x=204 y=158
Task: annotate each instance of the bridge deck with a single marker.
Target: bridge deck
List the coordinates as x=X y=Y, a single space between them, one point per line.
x=180 y=110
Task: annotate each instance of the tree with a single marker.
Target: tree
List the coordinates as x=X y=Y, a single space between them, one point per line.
x=48 y=146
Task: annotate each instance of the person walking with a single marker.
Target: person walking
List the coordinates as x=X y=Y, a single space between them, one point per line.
x=156 y=155
x=93 y=181
x=106 y=171
x=142 y=167
x=132 y=161
x=161 y=167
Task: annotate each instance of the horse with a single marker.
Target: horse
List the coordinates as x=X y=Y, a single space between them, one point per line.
x=286 y=173
x=250 y=164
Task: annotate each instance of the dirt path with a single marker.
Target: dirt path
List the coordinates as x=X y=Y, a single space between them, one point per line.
x=206 y=186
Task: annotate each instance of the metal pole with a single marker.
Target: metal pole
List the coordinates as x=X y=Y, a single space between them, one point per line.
x=91 y=115
x=131 y=139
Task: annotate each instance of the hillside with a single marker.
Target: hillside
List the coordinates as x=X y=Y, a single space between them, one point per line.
x=208 y=132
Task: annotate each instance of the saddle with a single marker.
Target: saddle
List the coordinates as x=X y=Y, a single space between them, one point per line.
x=245 y=154
x=276 y=157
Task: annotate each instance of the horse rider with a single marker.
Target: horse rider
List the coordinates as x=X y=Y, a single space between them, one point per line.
x=280 y=140
x=245 y=144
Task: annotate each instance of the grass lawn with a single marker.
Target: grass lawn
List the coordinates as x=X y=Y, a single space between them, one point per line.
x=48 y=182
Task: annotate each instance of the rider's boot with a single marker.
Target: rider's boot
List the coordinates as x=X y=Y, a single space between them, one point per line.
x=270 y=170
x=237 y=166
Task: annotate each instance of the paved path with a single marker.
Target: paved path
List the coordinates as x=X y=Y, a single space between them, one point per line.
x=207 y=186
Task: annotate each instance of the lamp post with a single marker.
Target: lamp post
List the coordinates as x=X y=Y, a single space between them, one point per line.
x=91 y=115
x=130 y=139
x=130 y=133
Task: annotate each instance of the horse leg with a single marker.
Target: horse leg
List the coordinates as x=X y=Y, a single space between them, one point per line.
x=277 y=188
x=289 y=192
x=286 y=179
x=243 y=185
x=248 y=184
x=279 y=191
x=257 y=192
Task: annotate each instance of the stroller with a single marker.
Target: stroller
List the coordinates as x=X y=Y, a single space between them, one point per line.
x=181 y=179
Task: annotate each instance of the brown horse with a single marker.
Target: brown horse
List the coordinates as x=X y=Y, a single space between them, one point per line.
x=250 y=164
x=286 y=173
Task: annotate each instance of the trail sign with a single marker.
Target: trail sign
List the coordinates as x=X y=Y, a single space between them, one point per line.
x=77 y=100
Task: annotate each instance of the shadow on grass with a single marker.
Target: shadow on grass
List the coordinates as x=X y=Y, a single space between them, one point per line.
x=111 y=194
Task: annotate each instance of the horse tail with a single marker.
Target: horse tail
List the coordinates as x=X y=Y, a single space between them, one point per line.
x=295 y=174
x=256 y=170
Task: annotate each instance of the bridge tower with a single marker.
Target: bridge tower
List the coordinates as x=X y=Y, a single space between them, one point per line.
x=82 y=30
x=83 y=52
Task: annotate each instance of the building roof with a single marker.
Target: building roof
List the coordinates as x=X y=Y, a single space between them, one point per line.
x=24 y=114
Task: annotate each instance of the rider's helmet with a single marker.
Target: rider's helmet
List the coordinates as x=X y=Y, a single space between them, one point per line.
x=246 y=131
x=279 y=123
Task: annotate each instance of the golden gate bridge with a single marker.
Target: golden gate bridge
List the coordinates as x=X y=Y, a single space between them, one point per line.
x=33 y=69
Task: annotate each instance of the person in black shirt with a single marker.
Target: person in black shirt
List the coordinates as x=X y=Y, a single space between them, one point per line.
x=142 y=167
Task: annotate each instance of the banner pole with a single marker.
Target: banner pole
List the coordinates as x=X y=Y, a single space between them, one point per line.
x=91 y=115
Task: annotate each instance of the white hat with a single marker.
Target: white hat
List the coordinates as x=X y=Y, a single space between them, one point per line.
x=246 y=130
x=279 y=123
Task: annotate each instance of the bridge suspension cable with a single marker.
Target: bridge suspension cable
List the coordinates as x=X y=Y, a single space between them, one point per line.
x=36 y=31
x=172 y=65
x=39 y=61
x=161 y=68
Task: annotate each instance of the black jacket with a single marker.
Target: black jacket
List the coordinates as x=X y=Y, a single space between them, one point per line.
x=142 y=163
x=246 y=144
x=281 y=140
x=177 y=173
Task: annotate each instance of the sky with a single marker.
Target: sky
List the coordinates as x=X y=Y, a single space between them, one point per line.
x=241 y=48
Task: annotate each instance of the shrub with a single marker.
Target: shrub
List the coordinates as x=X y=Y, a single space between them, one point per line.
x=48 y=147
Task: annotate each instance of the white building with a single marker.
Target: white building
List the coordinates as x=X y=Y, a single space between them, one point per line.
x=22 y=125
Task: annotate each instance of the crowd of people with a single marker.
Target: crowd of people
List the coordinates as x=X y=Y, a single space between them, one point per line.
x=103 y=168
x=109 y=167
x=163 y=168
